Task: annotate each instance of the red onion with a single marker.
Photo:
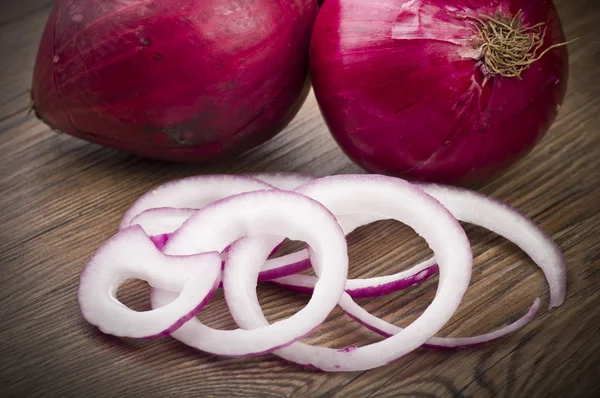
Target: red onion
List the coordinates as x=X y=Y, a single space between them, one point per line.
x=179 y=80
x=413 y=89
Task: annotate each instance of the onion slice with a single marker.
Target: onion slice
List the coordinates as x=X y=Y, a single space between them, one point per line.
x=498 y=217
x=198 y=191
x=306 y=283
x=130 y=254
x=170 y=219
x=222 y=229
x=161 y=211
x=479 y=210
x=386 y=329
x=191 y=193
x=473 y=208
x=162 y=221
x=392 y=198
x=260 y=214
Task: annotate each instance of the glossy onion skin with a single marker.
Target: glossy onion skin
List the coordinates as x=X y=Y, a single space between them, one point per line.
x=419 y=108
x=180 y=80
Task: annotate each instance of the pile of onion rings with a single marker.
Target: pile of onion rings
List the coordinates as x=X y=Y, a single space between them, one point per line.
x=189 y=237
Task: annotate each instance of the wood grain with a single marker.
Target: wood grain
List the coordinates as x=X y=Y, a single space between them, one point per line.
x=62 y=197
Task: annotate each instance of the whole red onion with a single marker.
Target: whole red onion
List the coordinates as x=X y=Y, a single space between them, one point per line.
x=185 y=80
x=440 y=90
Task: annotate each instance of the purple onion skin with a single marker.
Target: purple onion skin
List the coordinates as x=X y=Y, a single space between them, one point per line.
x=408 y=107
x=291 y=269
x=178 y=80
x=160 y=241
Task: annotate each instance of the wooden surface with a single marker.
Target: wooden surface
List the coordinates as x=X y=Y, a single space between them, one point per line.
x=61 y=198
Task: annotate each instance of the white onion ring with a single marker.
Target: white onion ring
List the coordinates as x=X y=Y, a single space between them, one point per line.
x=191 y=193
x=162 y=210
x=498 y=217
x=476 y=209
x=392 y=198
x=386 y=329
x=131 y=255
x=261 y=213
x=486 y=212
x=153 y=221
x=305 y=284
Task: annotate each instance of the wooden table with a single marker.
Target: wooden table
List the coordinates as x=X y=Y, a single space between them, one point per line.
x=62 y=197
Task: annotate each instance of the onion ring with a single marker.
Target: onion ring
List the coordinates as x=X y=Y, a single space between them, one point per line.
x=392 y=198
x=261 y=213
x=476 y=209
x=191 y=193
x=498 y=217
x=130 y=254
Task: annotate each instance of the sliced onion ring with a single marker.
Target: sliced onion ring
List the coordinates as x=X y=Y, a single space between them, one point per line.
x=162 y=221
x=191 y=193
x=261 y=213
x=198 y=191
x=305 y=284
x=356 y=288
x=386 y=329
x=131 y=255
x=161 y=211
x=475 y=208
x=392 y=198
x=254 y=248
x=170 y=219
x=156 y=221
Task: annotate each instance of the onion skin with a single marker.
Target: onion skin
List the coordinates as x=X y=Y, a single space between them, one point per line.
x=419 y=108
x=178 y=80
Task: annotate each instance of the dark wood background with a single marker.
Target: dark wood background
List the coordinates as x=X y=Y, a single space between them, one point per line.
x=60 y=198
